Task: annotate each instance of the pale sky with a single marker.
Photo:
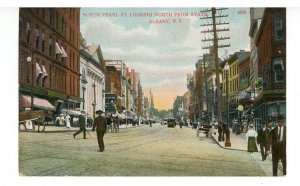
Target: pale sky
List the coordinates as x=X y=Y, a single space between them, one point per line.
x=162 y=53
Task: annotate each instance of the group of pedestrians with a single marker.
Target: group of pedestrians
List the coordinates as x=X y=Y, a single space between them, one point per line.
x=269 y=139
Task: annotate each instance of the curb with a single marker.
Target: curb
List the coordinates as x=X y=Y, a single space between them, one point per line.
x=226 y=147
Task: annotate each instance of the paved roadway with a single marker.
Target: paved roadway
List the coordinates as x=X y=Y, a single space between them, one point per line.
x=137 y=151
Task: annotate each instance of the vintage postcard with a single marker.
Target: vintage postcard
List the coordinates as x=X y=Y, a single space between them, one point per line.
x=152 y=91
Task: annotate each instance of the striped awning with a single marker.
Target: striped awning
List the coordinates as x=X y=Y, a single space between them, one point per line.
x=25 y=102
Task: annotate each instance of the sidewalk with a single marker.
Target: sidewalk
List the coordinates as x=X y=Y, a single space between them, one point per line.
x=54 y=128
x=239 y=142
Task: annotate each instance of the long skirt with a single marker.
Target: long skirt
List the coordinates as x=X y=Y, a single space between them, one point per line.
x=252 y=145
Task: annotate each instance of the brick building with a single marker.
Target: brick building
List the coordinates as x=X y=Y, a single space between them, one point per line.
x=49 y=56
x=112 y=89
x=270 y=41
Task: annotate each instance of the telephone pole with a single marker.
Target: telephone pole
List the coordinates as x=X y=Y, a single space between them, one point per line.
x=215 y=47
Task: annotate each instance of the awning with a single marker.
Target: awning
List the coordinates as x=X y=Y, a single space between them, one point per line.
x=71 y=112
x=130 y=113
x=57 y=49
x=120 y=115
x=44 y=72
x=25 y=102
x=38 y=70
x=64 y=54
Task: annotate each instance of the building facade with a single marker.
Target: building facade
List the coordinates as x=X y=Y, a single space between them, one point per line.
x=49 y=56
x=270 y=41
x=93 y=77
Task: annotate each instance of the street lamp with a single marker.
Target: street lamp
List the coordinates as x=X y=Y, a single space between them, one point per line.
x=226 y=68
x=94 y=103
x=227 y=142
x=32 y=66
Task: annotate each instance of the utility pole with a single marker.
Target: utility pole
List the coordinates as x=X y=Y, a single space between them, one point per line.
x=215 y=46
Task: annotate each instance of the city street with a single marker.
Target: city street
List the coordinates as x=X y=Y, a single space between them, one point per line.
x=134 y=151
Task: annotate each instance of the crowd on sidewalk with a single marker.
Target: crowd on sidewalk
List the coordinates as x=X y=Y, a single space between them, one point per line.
x=268 y=141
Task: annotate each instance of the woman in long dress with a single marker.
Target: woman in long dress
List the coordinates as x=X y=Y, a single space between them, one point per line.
x=251 y=136
x=68 y=119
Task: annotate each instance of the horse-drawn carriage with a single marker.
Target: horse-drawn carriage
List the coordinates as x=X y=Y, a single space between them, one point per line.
x=37 y=118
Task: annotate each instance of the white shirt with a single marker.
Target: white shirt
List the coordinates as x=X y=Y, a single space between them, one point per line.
x=251 y=133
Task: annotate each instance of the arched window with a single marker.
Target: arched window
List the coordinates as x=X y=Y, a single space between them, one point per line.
x=37 y=37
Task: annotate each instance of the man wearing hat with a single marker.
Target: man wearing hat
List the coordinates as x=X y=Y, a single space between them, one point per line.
x=101 y=126
x=262 y=140
x=277 y=139
x=82 y=125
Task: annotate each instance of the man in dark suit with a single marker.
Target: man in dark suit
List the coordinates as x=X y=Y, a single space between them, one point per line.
x=277 y=139
x=262 y=140
x=101 y=127
x=82 y=126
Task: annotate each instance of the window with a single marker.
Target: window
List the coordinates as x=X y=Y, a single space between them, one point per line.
x=27 y=32
x=51 y=17
x=43 y=41
x=278 y=70
x=43 y=13
x=278 y=28
x=57 y=21
x=50 y=46
x=62 y=24
x=37 y=38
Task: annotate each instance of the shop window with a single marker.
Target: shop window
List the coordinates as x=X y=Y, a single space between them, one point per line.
x=278 y=70
x=278 y=28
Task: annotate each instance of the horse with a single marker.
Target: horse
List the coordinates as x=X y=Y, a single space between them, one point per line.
x=37 y=117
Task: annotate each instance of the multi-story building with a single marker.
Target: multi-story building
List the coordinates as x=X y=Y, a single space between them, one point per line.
x=186 y=103
x=198 y=92
x=93 y=72
x=49 y=57
x=233 y=83
x=245 y=89
x=121 y=67
x=131 y=75
x=270 y=41
x=113 y=90
x=190 y=87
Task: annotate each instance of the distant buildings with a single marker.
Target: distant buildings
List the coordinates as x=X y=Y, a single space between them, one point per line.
x=256 y=78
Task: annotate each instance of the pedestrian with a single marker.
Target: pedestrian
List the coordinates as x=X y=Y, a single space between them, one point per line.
x=109 y=122
x=220 y=132
x=68 y=119
x=114 y=123
x=100 y=125
x=82 y=126
x=118 y=123
x=251 y=139
x=150 y=123
x=262 y=140
x=224 y=128
x=277 y=139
